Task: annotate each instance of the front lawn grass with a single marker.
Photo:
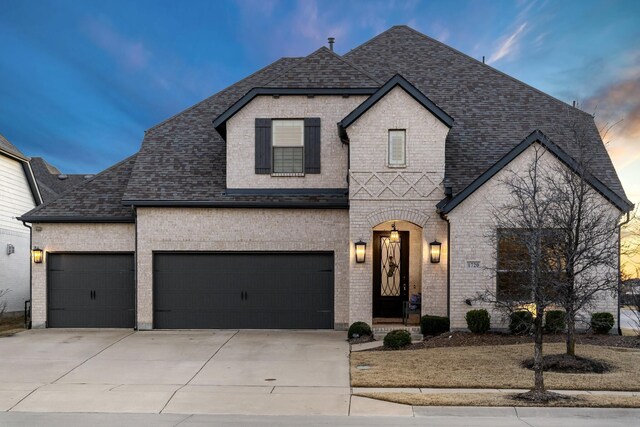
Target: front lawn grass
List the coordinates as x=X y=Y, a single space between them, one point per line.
x=503 y=399
x=490 y=367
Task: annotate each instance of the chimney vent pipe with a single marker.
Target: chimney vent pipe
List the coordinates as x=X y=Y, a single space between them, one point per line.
x=332 y=40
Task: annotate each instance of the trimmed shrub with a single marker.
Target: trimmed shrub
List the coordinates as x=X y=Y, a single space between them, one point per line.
x=359 y=329
x=520 y=322
x=554 y=321
x=434 y=325
x=478 y=321
x=601 y=323
x=397 y=338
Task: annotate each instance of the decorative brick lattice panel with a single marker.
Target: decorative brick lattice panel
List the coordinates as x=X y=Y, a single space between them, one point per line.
x=393 y=185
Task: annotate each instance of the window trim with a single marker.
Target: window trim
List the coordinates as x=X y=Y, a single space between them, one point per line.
x=397 y=165
x=498 y=270
x=274 y=146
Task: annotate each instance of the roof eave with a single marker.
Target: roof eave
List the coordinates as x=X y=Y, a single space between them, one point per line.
x=396 y=80
x=220 y=122
x=447 y=205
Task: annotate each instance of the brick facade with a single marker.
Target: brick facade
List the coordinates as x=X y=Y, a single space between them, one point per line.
x=241 y=140
x=379 y=193
x=72 y=238
x=473 y=227
x=203 y=229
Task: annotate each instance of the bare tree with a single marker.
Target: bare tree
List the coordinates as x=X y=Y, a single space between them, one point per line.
x=523 y=255
x=586 y=236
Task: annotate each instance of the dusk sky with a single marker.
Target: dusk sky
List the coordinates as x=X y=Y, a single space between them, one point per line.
x=80 y=81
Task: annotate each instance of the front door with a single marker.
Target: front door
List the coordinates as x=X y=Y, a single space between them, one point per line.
x=390 y=274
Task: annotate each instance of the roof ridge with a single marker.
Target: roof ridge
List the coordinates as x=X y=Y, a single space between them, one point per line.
x=309 y=56
x=489 y=67
x=78 y=185
x=168 y=119
x=341 y=58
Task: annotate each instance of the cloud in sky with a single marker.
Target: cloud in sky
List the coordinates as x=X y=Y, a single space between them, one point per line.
x=130 y=54
x=508 y=45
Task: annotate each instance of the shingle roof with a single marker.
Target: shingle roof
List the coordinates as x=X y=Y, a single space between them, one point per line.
x=183 y=159
x=493 y=112
x=48 y=179
x=8 y=147
x=98 y=199
x=323 y=69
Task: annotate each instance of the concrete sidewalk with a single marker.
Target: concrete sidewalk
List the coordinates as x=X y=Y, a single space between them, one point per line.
x=434 y=416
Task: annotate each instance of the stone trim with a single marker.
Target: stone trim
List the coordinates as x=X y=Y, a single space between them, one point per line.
x=404 y=214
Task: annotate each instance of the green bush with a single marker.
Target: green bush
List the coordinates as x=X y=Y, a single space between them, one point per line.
x=478 y=321
x=554 y=321
x=601 y=323
x=397 y=339
x=434 y=325
x=520 y=322
x=359 y=329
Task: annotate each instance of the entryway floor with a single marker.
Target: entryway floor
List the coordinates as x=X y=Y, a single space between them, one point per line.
x=194 y=372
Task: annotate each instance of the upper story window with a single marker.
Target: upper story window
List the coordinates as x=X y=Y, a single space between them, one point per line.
x=397 y=148
x=288 y=146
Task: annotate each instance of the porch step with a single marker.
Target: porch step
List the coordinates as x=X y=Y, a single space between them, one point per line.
x=380 y=331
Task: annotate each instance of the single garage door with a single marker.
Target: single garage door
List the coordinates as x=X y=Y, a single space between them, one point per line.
x=243 y=290
x=91 y=291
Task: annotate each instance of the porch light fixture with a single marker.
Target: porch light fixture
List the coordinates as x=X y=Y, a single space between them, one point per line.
x=394 y=237
x=361 y=250
x=36 y=253
x=434 y=249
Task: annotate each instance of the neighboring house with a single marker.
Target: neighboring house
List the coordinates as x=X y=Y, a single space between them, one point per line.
x=52 y=182
x=244 y=210
x=18 y=193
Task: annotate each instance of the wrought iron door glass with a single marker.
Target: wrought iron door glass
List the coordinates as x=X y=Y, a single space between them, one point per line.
x=390 y=267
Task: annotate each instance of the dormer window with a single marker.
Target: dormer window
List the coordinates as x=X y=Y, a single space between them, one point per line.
x=397 y=148
x=288 y=146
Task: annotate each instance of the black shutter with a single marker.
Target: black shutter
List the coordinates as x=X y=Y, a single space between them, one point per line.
x=312 y=145
x=263 y=146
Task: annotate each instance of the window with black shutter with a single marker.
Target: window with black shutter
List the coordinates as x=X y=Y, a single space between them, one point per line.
x=287 y=147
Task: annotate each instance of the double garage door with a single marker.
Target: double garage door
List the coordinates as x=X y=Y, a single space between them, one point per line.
x=243 y=290
x=287 y=290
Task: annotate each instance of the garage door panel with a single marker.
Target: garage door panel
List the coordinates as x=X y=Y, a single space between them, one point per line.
x=91 y=290
x=283 y=290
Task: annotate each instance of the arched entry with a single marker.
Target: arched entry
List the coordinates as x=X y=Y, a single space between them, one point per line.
x=396 y=271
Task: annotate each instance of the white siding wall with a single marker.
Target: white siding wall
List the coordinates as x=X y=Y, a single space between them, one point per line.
x=15 y=194
x=15 y=200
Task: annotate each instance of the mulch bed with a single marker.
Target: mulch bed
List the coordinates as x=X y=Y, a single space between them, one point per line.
x=360 y=340
x=466 y=339
x=566 y=364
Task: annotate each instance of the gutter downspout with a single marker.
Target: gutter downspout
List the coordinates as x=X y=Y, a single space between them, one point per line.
x=30 y=274
x=135 y=268
x=619 y=268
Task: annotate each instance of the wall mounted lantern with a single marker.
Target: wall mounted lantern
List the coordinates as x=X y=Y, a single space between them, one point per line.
x=394 y=237
x=36 y=253
x=361 y=250
x=434 y=249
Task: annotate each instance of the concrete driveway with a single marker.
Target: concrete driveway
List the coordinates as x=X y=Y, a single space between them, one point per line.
x=186 y=372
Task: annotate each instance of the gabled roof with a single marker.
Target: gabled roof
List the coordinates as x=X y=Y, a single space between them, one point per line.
x=323 y=72
x=97 y=199
x=493 y=111
x=10 y=150
x=395 y=81
x=182 y=160
x=51 y=181
x=447 y=205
